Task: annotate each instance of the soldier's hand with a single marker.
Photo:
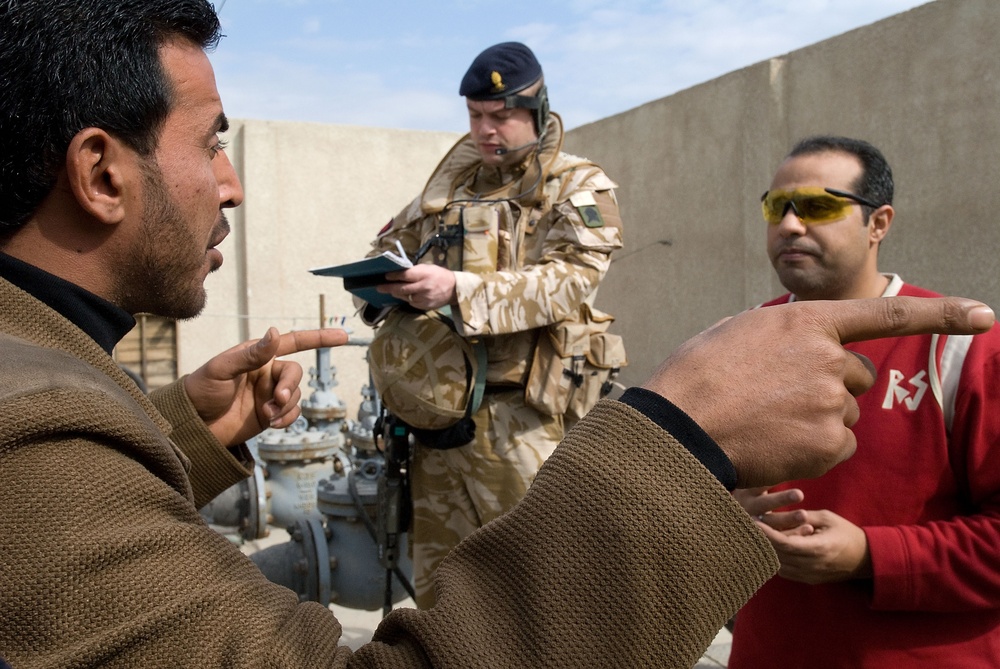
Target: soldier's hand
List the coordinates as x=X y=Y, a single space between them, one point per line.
x=424 y=286
x=775 y=388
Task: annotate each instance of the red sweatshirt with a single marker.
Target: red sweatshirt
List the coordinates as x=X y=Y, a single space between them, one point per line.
x=924 y=485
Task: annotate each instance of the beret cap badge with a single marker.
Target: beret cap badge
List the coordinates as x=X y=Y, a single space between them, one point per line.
x=497 y=80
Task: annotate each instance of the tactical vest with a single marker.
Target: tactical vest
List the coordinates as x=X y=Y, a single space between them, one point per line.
x=477 y=232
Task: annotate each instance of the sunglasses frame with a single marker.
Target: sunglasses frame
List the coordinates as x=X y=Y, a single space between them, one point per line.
x=832 y=191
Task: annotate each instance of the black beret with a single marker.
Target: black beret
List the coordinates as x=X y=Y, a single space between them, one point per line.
x=499 y=71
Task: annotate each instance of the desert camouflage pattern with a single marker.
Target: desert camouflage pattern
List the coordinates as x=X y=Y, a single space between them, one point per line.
x=420 y=367
x=552 y=247
x=549 y=261
x=458 y=490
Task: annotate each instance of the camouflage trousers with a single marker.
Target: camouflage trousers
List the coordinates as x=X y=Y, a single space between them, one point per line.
x=459 y=490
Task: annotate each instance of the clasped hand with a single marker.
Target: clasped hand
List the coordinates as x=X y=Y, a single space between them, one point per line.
x=812 y=546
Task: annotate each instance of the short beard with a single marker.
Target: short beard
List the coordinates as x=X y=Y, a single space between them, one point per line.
x=162 y=274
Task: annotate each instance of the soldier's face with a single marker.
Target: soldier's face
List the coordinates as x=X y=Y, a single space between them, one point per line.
x=494 y=128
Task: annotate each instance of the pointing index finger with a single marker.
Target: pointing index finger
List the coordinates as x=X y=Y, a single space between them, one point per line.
x=858 y=320
x=305 y=340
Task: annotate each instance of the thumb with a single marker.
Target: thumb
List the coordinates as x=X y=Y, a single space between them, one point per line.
x=256 y=355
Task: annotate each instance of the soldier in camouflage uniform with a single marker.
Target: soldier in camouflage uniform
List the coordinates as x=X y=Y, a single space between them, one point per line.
x=512 y=236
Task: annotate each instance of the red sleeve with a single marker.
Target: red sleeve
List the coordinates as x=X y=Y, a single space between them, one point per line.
x=954 y=564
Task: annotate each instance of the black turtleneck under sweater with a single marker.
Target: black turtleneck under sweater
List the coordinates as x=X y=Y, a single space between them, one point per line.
x=104 y=322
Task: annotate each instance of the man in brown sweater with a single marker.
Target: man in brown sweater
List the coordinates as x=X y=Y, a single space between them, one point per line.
x=113 y=180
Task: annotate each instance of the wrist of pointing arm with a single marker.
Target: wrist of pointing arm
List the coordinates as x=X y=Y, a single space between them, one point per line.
x=662 y=412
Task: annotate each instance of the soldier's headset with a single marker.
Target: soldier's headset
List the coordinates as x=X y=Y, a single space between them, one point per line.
x=537 y=103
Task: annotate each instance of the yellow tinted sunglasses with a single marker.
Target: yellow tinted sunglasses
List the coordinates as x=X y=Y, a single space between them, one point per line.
x=812 y=205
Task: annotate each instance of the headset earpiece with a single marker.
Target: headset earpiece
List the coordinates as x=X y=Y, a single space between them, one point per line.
x=542 y=112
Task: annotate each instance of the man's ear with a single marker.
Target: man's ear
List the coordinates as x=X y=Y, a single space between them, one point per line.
x=97 y=167
x=879 y=222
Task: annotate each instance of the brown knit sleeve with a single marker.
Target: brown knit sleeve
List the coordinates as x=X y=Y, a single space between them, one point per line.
x=213 y=467
x=626 y=552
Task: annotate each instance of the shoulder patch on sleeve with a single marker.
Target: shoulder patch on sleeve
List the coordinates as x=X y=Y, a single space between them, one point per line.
x=587 y=206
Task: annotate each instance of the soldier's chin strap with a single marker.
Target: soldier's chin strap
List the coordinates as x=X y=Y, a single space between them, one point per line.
x=464 y=431
x=479 y=350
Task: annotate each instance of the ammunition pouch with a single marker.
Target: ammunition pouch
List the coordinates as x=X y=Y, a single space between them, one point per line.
x=474 y=237
x=575 y=364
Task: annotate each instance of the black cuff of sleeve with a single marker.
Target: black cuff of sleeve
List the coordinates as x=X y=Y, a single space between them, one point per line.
x=663 y=412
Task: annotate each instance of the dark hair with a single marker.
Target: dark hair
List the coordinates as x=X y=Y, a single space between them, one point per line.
x=74 y=64
x=875 y=182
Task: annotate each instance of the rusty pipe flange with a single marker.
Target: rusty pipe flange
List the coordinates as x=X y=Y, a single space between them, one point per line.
x=327 y=413
x=310 y=565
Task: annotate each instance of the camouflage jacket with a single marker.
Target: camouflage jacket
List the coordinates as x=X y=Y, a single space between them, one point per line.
x=557 y=223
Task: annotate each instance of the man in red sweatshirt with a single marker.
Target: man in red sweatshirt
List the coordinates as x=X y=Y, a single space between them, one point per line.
x=891 y=558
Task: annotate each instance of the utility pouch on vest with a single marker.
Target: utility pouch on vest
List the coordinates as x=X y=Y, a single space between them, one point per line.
x=479 y=243
x=575 y=364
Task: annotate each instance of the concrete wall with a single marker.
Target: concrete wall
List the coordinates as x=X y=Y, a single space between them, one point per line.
x=924 y=86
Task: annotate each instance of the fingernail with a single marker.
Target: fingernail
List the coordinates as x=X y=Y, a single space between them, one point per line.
x=981 y=317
